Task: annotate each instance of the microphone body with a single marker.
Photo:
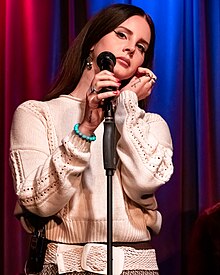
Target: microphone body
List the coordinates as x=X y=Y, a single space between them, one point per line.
x=106 y=61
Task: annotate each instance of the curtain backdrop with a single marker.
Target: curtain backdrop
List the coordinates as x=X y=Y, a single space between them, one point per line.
x=34 y=35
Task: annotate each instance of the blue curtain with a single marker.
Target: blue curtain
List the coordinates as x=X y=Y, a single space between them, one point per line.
x=187 y=95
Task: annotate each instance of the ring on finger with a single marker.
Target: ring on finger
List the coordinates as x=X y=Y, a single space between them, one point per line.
x=152 y=81
x=152 y=77
x=93 y=90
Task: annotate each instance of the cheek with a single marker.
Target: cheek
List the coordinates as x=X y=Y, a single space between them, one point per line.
x=139 y=60
x=101 y=46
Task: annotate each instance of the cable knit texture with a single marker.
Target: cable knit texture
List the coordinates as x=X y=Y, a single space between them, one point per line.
x=56 y=172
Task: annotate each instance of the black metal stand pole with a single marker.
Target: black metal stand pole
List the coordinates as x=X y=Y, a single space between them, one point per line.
x=109 y=155
x=109 y=226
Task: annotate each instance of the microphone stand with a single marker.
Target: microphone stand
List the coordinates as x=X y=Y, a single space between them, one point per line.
x=106 y=61
x=110 y=166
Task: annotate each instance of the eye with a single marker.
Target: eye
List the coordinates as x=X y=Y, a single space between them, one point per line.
x=120 y=34
x=142 y=48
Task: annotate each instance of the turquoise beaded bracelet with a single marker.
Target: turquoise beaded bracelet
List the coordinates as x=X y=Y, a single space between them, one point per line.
x=78 y=133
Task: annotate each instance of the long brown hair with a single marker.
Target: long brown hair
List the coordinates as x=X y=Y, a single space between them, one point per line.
x=98 y=26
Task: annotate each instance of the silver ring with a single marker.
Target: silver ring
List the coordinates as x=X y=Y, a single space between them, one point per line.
x=93 y=90
x=152 y=77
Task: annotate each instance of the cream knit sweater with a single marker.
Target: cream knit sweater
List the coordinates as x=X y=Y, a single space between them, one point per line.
x=56 y=172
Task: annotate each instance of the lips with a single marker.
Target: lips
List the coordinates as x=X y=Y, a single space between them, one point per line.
x=125 y=62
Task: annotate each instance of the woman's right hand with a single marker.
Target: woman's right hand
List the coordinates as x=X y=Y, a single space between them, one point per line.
x=94 y=113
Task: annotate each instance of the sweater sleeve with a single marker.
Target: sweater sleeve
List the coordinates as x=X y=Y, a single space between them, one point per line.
x=144 y=149
x=44 y=179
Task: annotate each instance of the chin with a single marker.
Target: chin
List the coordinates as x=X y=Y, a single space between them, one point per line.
x=123 y=73
x=123 y=76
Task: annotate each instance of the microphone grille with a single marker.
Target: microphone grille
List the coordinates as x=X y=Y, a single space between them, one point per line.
x=106 y=58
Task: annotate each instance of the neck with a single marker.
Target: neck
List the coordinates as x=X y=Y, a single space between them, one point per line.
x=84 y=84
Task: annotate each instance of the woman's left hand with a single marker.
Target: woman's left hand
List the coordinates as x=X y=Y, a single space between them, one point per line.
x=142 y=83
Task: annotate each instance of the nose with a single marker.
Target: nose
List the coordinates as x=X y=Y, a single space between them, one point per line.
x=129 y=49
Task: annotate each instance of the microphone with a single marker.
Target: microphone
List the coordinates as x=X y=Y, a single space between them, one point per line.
x=106 y=61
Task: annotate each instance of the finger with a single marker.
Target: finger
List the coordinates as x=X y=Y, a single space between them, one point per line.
x=146 y=72
x=93 y=90
x=103 y=85
x=104 y=80
x=95 y=99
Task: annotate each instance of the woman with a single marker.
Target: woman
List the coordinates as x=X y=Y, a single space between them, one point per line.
x=56 y=150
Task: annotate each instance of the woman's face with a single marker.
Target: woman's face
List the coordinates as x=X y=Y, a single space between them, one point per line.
x=128 y=42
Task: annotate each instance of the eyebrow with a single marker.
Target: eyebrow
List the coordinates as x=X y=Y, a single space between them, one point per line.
x=130 y=32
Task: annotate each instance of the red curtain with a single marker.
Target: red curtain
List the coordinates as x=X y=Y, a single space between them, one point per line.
x=34 y=35
x=25 y=52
